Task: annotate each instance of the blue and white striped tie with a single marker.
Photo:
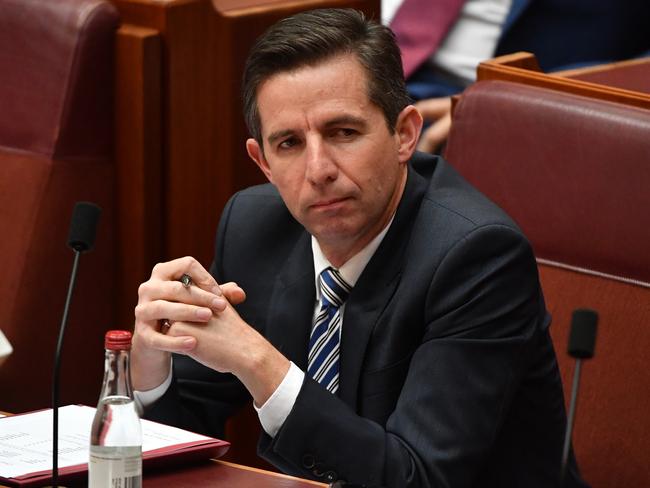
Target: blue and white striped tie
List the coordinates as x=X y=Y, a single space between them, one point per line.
x=323 y=360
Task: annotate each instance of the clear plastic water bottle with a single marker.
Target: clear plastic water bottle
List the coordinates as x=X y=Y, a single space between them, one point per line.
x=116 y=436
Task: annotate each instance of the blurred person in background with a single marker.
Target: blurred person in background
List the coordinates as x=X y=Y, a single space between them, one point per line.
x=443 y=41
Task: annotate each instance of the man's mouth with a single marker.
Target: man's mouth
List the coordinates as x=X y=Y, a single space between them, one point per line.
x=329 y=203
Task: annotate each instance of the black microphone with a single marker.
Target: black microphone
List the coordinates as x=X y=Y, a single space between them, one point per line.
x=582 y=341
x=81 y=238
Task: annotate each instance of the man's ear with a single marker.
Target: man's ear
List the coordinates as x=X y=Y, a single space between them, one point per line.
x=257 y=154
x=407 y=129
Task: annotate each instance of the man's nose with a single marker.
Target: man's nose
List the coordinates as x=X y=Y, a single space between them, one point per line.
x=320 y=168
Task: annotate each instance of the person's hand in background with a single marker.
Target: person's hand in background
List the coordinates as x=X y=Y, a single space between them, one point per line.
x=437 y=113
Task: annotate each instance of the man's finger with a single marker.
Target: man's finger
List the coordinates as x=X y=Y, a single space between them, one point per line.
x=167 y=343
x=162 y=309
x=173 y=270
x=233 y=293
x=174 y=291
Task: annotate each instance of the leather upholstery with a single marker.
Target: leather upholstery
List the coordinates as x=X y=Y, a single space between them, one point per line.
x=574 y=172
x=55 y=149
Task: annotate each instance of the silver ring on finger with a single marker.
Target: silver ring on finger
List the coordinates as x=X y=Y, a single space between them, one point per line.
x=186 y=280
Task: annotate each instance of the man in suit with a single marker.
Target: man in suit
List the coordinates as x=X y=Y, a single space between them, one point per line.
x=393 y=332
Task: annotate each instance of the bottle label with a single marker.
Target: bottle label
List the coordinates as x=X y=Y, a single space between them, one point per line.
x=115 y=467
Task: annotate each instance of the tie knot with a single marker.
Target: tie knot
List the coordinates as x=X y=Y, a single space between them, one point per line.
x=333 y=288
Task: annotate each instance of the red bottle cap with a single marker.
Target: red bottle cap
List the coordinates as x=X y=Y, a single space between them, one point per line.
x=117 y=340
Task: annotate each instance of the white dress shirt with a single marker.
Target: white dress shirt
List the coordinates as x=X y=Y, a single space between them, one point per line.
x=473 y=38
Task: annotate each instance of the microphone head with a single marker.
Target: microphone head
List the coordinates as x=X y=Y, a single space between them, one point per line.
x=582 y=339
x=83 y=226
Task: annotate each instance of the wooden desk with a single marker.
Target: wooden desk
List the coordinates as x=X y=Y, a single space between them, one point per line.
x=222 y=473
x=212 y=474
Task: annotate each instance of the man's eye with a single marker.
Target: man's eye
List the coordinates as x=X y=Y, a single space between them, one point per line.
x=288 y=143
x=345 y=132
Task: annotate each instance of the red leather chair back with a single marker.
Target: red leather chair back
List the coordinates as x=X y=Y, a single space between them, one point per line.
x=55 y=149
x=574 y=172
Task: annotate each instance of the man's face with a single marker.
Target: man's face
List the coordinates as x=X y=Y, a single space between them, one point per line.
x=329 y=152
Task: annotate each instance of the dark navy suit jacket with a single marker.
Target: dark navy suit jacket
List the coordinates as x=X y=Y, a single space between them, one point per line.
x=565 y=33
x=448 y=376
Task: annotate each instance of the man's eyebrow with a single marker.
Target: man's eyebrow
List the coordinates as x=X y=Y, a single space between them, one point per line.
x=345 y=119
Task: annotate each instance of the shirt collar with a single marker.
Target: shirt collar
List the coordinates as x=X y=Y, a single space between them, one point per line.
x=353 y=267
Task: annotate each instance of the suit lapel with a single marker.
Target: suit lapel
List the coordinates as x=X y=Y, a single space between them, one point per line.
x=291 y=307
x=375 y=288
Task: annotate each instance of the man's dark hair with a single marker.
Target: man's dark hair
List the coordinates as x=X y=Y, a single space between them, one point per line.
x=309 y=38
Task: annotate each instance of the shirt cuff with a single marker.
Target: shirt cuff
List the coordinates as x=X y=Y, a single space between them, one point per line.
x=144 y=399
x=277 y=408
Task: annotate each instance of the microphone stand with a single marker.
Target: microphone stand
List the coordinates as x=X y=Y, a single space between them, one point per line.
x=570 y=420
x=582 y=340
x=55 y=373
x=80 y=238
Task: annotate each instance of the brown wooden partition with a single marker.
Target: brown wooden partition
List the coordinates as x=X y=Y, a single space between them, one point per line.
x=625 y=82
x=138 y=160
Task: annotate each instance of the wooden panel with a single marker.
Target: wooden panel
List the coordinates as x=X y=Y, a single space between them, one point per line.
x=519 y=68
x=633 y=75
x=609 y=438
x=138 y=156
x=220 y=473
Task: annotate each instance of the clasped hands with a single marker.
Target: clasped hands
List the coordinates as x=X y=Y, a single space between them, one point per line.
x=205 y=326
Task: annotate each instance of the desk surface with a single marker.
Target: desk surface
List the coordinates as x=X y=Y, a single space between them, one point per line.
x=213 y=473
x=221 y=473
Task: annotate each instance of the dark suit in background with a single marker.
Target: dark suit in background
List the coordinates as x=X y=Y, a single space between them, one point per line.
x=448 y=375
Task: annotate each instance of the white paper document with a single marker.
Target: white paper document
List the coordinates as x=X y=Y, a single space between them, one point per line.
x=26 y=440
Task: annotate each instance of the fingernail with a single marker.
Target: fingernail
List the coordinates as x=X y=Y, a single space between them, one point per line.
x=218 y=303
x=203 y=313
x=188 y=343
